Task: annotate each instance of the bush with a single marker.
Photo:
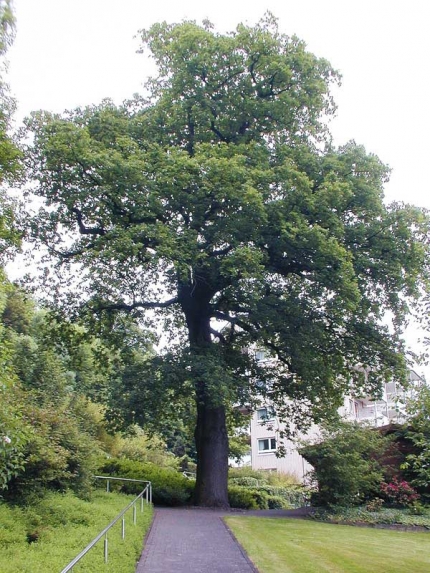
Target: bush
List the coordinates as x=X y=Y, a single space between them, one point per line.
x=293 y=496
x=241 y=498
x=271 y=490
x=248 y=472
x=263 y=477
x=374 y=505
x=244 y=481
x=417 y=432
x=253 y=498
x=261 y=498
x=399 y=493
x=348 y=464
x=277 y=502
x=138 y=446
x=57 y=456
x=417 y=509
x=168 y=486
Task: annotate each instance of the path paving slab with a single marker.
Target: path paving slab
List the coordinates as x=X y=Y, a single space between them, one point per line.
x=192 y=540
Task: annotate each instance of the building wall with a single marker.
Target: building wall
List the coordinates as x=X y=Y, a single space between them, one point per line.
x=263 y=432
x=265 y=427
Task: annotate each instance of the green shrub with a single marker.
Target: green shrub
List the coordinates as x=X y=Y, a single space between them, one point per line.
x=284 y=480
x=57 y=456
x=245 y=481
x=293 y=496
x=241 y=498
x=348 y=464
x=417 y=509
x=261 y=498
x=138 y=446
x=375 y=504
x=169 y=487
x=248 y=472
x=277 y=502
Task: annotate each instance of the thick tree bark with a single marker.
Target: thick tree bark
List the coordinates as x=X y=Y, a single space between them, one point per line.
x=212 y=457
x=210 y=433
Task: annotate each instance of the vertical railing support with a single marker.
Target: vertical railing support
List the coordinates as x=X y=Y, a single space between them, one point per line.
x=106 y=548
x=134 y=514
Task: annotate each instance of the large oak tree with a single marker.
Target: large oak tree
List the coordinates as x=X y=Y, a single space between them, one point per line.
x=218 y=204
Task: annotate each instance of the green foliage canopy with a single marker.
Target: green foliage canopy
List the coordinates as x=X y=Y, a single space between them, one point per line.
x=9 y=152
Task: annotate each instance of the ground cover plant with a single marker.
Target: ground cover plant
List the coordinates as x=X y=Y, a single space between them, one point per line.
x=415 y=515
x=301 y=546
x=47 y=534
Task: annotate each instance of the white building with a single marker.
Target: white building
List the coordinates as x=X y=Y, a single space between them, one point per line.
x=389 y=408
x=266 y=429
x=265 y=432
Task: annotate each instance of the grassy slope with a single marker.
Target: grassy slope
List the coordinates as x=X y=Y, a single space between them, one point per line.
x=64 y=525
x=296 y=546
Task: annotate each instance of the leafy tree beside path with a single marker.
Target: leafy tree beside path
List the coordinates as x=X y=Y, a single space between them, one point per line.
x=218 y=207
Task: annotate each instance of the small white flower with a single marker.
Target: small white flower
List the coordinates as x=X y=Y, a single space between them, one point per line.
x=6 y=440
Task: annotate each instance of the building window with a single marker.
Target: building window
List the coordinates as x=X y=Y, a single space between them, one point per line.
x=267 y=445
x=264 y=414
x=260 y=355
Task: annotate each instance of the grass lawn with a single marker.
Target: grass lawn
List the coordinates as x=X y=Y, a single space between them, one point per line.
x=299 y=546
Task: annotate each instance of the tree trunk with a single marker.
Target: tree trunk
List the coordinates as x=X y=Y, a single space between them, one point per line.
x=210 y=433
x=212 y=457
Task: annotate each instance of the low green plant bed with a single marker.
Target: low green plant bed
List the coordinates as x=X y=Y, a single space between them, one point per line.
x=303 y=546
x=243 y=497
x=268 y=490
x=386 y=516
x=48 y=533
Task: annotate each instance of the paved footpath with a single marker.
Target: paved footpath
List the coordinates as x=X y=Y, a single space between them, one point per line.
x=192 y=541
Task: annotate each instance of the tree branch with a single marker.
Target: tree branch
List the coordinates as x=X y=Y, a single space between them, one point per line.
x=138 y=304
x=82 y=228
x=218 y=335
x=222 y=137
x=220 y=252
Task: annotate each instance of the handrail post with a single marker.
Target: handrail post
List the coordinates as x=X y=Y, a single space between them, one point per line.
x=147 y=492
x=106 y=548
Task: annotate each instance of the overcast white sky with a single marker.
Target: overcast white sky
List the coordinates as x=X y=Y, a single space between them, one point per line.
x=76 y=52
x=69 y=53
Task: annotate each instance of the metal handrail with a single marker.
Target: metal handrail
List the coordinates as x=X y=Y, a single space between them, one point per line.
x=147 y=491
x=111 y=478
